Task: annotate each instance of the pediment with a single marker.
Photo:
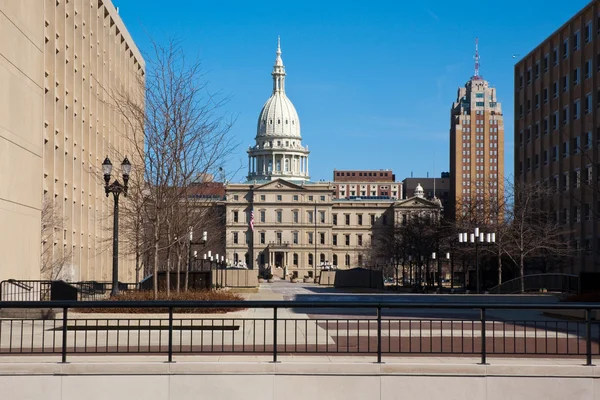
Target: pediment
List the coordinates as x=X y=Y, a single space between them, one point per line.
x=279 y=185
x=416 y=202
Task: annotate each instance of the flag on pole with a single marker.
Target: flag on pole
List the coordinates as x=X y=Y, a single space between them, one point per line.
x=252 y=220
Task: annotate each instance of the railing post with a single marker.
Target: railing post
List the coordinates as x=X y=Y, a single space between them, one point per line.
x=274 y=334
x=379 y=334
x=483 y=340
x=64 y=336
x=170 y=356
x=588 y=337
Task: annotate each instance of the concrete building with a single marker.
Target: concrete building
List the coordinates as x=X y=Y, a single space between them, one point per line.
x=476 y=149
x=366 y=183
x=557 y=128
x=59 y=60
x=279 y=220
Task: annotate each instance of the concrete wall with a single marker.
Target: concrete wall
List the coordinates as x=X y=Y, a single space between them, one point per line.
x=265 y=381
x=21 y=110
x=327 y=278
x=235 y=277
x=58 y=59
x=353 y=278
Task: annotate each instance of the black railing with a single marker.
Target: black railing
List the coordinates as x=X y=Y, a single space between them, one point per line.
x=375 y=328
x=46 y=290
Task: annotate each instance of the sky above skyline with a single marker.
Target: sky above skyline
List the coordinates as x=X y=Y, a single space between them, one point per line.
x=373 y=82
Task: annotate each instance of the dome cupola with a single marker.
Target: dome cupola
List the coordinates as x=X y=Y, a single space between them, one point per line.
x=278 y=152
x=278 y=117
x=419 y=192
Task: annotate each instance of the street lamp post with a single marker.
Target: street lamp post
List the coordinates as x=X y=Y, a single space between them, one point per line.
x=315 y=239
x=116 y=188
x=478 y=238
x=191 y=243
x=439 y=267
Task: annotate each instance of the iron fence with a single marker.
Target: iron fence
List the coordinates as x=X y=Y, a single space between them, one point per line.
x=42 y=290
x=322 y=328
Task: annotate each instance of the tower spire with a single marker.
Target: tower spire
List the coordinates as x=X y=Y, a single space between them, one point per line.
x=476 y=76
x=278 y=71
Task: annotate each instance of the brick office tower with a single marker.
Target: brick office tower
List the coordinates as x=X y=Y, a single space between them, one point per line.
x=476 y=151
x=557 y=128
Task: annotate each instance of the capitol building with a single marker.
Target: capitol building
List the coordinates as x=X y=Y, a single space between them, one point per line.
x=279 y=220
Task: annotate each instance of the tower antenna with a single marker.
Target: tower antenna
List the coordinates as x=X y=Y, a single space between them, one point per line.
x=434 y=175
x=476 y=76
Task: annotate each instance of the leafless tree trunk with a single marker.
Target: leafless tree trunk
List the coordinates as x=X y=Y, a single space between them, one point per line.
x=179 y=139
x=178 y=269
x=187 y=270
x=534 y=230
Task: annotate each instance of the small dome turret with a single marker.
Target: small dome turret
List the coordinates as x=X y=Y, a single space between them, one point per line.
x=419 y=192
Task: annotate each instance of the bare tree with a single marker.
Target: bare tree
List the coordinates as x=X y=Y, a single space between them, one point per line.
x=178 y=139
x=54 y=257
x=534 y=229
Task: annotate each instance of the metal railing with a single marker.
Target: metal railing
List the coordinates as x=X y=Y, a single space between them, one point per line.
x=564 y=283
x=326 y=330
x=41 y=290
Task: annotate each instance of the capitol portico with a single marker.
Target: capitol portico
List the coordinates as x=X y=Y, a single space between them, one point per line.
x=300 y=225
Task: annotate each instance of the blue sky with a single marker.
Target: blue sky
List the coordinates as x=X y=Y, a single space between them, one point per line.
x=373 y=82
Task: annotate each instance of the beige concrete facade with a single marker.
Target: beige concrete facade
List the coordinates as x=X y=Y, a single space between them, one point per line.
x=59 y=63
x=296 y=224
x=476 y=151
x=21 y=115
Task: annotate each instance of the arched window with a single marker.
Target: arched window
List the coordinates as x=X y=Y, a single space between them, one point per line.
x=295 y=260
x=310 y=259
x=335 y=260
x=322 y=257
x=235 y=258
x=278 y=121
x=347 y=260
x=360 y=260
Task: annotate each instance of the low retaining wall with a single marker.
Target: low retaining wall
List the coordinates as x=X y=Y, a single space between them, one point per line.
x=327 y=278
x=291 y=381
x=352 y=278
x=235 y=277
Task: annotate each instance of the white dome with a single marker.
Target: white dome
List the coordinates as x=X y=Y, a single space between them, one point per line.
x=419 y=192
x=278 y=118
x=278 y=152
